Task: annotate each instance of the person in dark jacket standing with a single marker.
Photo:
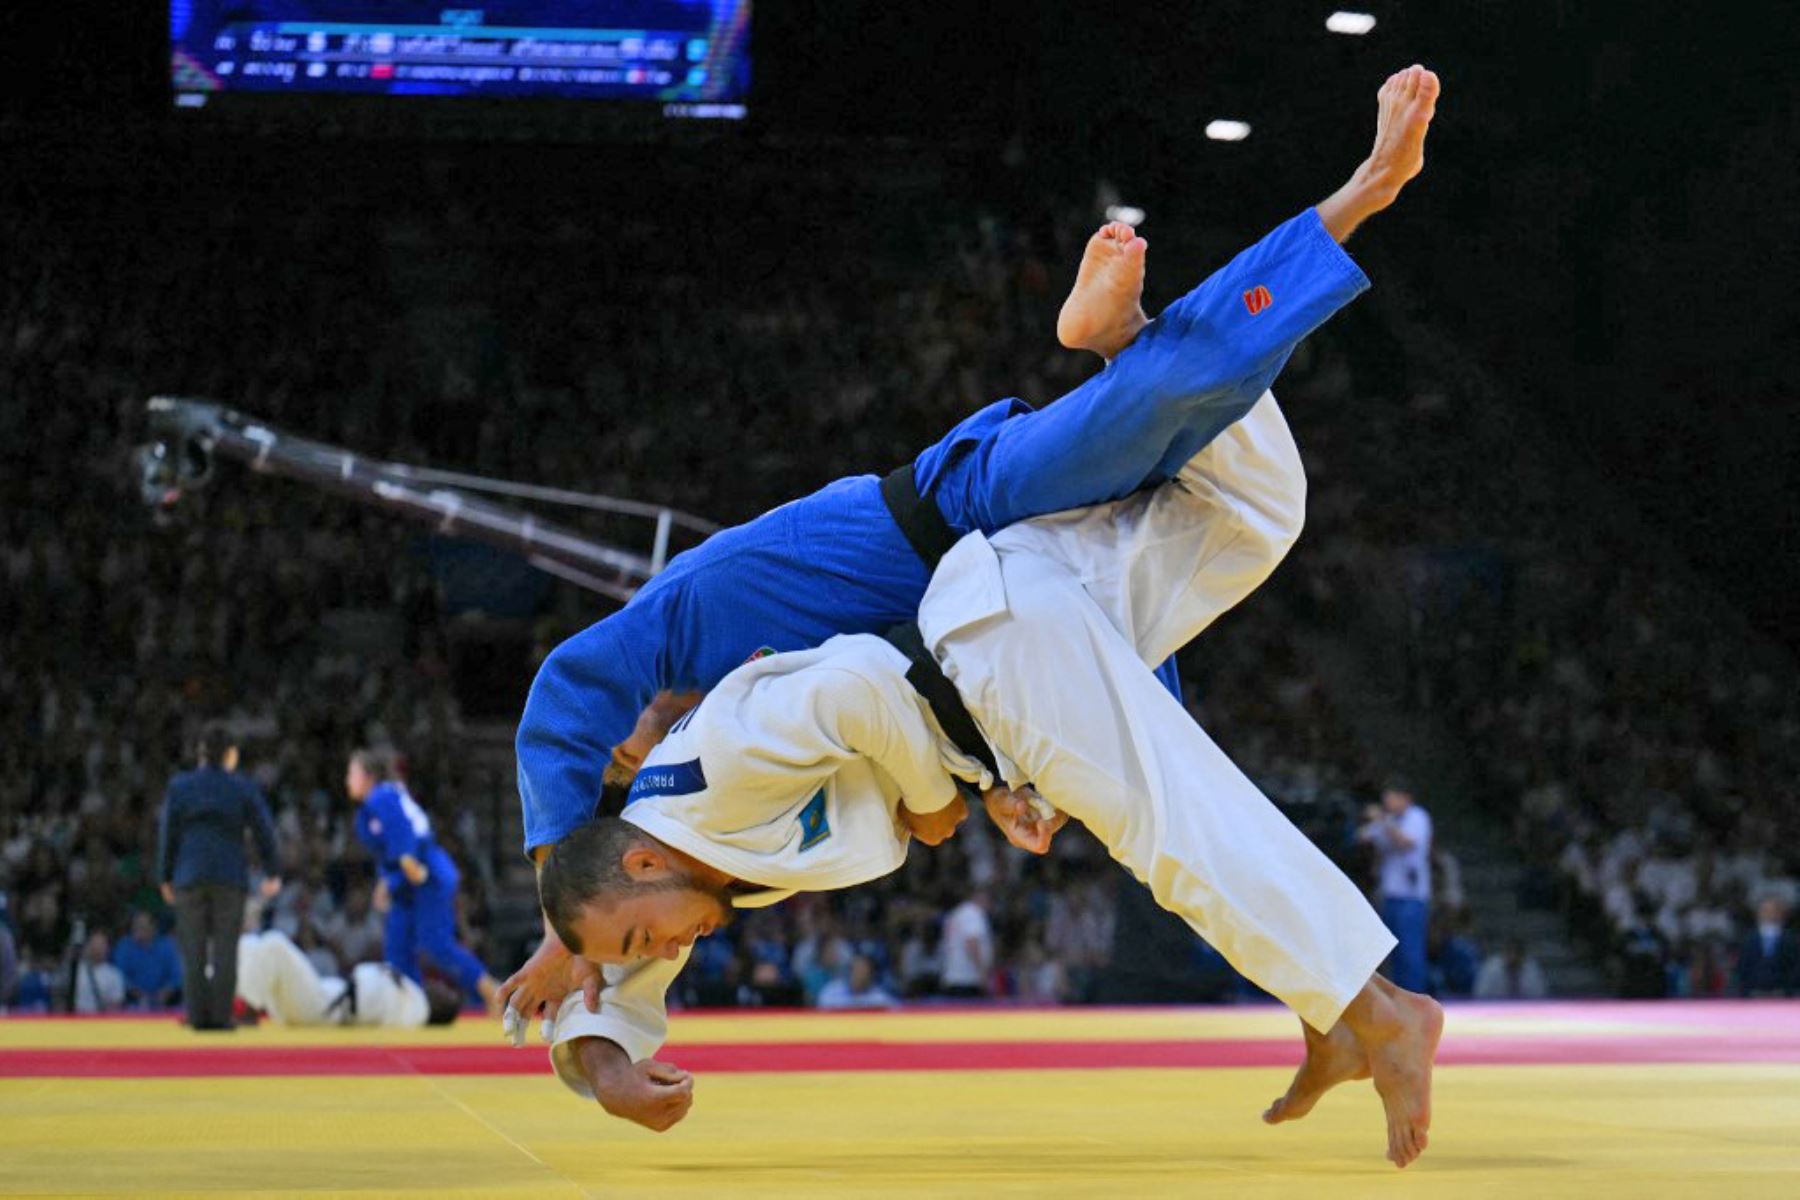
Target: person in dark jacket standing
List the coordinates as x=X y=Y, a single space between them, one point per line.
x=201 y=863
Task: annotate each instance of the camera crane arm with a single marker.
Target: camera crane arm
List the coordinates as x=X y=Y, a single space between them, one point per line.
x=188 y=434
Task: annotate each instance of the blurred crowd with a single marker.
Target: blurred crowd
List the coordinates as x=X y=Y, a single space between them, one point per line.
x=537 y=333
x=1626 y=724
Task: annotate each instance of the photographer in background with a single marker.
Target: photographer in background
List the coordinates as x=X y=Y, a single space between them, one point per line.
x=201 y=866
x=1400 y=832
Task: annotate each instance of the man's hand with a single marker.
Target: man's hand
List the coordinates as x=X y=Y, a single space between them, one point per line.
x=935 y=828
x=653 y=1094
x=652 y=727
x=168 y=893
x=271 y=886
x=1019 y=819
x=380 y=899
x=537 y=989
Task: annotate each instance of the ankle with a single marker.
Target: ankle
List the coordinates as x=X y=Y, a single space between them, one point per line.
x=1122 y=338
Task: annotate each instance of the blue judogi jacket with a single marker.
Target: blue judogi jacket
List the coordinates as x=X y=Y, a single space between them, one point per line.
x=391 y=825
x=835 y=561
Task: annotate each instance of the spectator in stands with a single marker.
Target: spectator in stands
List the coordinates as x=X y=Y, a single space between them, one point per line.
x=1511 y=975
x=1769 y=963
x=967 y=946
x=96 y=986
x=205 y=817
x=1041 y=979
x=354 y=931
x=9 y=958
x=859 y=989
x=920 y=965
x=1400 y=832
x=150 y=964
x=1455 y=958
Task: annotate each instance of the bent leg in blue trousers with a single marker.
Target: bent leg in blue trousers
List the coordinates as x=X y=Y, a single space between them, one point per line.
x=435 y=918
x=1193 y=371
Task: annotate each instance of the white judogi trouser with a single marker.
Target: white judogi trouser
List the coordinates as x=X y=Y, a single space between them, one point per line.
x=1062 y=686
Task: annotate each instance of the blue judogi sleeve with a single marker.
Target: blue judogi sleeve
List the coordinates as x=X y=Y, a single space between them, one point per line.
x=384 y=829
x=586 y=697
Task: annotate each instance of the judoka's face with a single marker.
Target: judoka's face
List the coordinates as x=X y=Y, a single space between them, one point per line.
x=651 y=923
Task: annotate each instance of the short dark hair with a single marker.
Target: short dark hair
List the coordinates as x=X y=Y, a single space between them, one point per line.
x=587 y=867
x=444 y=1003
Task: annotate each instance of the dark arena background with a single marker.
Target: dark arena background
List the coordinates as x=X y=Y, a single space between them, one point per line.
x=354 y=355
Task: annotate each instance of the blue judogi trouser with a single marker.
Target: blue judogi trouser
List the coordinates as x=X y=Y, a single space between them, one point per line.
x=422 y=919
x=1196 y=369
x=1199 y=367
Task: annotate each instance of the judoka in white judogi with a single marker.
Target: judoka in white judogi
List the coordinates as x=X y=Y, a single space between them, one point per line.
x=276 y=977
x=789 y=775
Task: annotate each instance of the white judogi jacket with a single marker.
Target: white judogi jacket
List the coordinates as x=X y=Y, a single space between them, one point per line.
x=788 y=776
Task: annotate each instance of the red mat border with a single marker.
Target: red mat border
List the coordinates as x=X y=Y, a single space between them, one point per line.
x=784 y=1057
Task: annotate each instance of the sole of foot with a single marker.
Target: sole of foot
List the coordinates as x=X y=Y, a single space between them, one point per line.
x=1103 y=311
x=1405 y=106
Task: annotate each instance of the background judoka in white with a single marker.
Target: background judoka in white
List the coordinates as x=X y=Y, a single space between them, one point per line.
x=274 y=976
x=1050 y=629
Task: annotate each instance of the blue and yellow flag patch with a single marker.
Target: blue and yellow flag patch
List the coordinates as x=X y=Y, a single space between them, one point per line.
x=814 y=828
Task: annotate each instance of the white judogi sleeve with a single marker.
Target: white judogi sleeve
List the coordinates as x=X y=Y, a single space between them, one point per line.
x=633 y=1015
x=780 y=732
x=790 y=773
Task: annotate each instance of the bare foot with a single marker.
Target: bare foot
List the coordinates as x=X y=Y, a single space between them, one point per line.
x=1102 y=312
x=1400 y=1031
x=1331 y=1058
x=1404 y=108
x=1401 y=1044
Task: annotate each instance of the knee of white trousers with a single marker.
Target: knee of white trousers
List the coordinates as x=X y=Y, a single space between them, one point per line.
x=1256 y=466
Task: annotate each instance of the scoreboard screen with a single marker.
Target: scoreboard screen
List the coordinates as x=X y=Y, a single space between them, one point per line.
x=693 y=56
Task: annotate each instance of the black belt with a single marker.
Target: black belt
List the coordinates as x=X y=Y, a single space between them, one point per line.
x=929 y=680
x=931 y=537
x=918 y=517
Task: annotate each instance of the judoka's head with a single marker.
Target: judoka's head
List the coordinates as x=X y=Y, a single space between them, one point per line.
x=443 y=1002
x=367 y=767
x=615 y=894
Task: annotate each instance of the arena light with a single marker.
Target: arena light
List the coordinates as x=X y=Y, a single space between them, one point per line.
x=1353 y=23
x=1227 y=131
x=1126 y=213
